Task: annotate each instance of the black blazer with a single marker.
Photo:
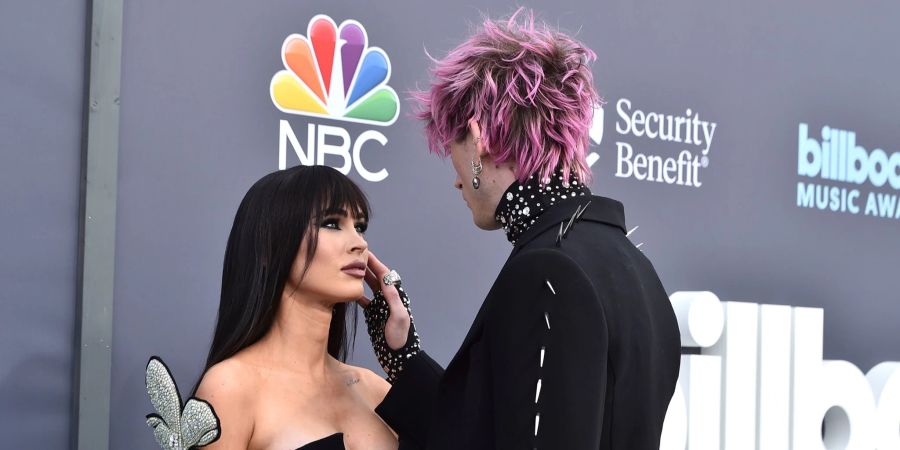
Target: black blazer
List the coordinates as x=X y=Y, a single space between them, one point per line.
x=575 y=347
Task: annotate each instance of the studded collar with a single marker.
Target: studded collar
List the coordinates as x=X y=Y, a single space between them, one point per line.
x=595 y=209
x=523 y=203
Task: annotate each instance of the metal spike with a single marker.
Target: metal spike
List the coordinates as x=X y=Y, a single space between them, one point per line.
x=578 y=211
x=560 y=234
x=550 y=286
x=632 y=230
x=639 y=245
x=537 y=423
x=583 y=210
x=543 y=351
x=547 y=319
x=537 y=391
x=571 y=221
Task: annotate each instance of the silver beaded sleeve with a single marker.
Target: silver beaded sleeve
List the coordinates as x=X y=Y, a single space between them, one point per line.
x=177 y=426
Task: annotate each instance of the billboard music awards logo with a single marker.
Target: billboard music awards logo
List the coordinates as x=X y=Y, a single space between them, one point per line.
x=760 y=381
x=333 y=73
x=842 y=162
x=691 y=136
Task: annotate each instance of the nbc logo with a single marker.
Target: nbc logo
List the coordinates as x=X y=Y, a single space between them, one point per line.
x=333 y=73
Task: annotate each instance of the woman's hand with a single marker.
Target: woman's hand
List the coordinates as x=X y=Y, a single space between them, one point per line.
x=389 y=320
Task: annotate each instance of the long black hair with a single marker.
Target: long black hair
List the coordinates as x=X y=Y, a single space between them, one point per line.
x=279 y=213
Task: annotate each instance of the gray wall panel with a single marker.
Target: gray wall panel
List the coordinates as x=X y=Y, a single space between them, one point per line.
x=41 y=83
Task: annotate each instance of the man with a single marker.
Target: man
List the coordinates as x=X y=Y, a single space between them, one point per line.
x=576 y=345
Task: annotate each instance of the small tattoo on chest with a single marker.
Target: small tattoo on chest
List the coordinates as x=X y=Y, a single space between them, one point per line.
x=353 y=381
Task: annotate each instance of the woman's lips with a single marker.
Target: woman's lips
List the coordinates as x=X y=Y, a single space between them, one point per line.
x=355 y=269
x=355 y=272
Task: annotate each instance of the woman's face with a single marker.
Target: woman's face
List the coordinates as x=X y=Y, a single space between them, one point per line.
x=337 y=271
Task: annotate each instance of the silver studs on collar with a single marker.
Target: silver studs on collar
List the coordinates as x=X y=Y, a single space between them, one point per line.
x=522 y=204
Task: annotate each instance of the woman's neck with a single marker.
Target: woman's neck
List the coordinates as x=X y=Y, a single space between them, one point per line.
x=298 y=339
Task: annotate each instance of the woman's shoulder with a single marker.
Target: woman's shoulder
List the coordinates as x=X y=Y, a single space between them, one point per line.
x=229 y=386
x=228 y=383
x=373 y=386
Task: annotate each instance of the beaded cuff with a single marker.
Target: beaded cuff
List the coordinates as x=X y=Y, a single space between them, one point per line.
x=376 y=315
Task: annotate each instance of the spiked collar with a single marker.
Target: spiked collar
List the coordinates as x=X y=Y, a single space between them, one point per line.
x=566 y=213
x=523 y=203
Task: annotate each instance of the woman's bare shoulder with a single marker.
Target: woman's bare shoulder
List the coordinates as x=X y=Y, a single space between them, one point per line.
x=374 y=387
x=231 y=377
x=228 y=386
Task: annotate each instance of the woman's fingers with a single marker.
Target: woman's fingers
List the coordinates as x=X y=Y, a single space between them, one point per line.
x=372 y=280
x=375 y=272
x=379 y=270
x=377 y=266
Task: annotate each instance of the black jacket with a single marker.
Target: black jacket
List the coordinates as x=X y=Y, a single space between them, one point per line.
x=575 y=347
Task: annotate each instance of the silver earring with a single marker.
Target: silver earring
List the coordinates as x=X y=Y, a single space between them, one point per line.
x=476 y=170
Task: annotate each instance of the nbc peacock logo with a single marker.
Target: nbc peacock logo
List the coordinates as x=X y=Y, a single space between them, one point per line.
x=333 y=73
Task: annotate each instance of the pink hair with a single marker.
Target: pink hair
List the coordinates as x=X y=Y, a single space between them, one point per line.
x=529 y=89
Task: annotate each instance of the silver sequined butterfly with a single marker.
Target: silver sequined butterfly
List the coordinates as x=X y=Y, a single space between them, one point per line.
x=177 y=426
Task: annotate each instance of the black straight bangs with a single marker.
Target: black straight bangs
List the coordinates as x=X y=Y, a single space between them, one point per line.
x=341 y=196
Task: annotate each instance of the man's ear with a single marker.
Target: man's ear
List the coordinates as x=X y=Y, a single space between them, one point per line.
x=475 y=132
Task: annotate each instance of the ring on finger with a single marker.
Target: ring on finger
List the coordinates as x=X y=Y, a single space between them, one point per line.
x=392 y=278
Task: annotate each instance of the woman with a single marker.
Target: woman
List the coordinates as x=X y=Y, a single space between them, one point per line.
x=576 y=345
x=276 y=376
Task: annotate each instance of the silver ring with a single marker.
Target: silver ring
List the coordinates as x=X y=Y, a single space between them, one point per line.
x=392 y=278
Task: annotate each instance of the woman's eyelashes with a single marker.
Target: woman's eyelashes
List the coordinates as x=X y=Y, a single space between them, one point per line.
x=334 y=223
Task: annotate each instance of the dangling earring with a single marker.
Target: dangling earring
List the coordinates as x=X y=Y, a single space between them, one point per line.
x=476 y=167
x=476 y=170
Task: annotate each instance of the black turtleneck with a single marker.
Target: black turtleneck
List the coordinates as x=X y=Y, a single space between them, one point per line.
x=523 y=203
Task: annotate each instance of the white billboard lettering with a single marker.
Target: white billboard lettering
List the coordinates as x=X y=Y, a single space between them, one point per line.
x=760 y=382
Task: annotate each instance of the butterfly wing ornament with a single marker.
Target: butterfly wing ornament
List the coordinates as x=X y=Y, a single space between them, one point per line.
x=177 y=426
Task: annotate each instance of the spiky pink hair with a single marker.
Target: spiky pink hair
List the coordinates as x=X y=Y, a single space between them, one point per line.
x=528 y=87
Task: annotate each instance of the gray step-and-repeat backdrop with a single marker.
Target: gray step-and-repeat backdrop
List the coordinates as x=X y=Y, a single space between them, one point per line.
x=41 y=91
x=755 y=145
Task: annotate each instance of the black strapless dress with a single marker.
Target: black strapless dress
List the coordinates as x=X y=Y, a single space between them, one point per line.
x=333 y=442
